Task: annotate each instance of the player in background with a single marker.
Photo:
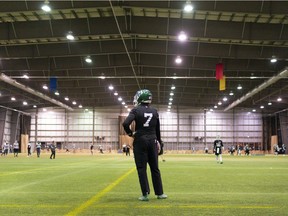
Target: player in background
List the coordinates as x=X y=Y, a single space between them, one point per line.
x=92 y=148
x=218 y=148
x=146 y=144
x=38 y=148
x=29 y=149
x=16 y=148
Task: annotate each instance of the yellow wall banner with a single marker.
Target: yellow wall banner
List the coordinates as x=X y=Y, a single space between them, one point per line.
x=222 y=84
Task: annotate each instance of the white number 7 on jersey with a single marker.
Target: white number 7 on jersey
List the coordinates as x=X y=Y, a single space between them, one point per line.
x=149 y=116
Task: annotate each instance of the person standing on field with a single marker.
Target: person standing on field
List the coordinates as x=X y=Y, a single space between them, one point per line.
x=218 y=147
x=29 y=149
x=38 y=148
x=16 y=148
x=146 y=144
x=53 y=150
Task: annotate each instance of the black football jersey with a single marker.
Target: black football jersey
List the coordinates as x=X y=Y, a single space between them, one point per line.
x=146 y=121
x=218 y=145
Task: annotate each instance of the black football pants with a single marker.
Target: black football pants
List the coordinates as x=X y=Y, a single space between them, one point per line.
x=145 y=151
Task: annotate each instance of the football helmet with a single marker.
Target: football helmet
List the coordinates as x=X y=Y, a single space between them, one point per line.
x=142 y=96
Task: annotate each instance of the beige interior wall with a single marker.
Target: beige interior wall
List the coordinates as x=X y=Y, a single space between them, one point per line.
x=24 y=142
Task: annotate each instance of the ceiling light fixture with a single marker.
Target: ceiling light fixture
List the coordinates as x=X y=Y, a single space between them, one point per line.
x=219 y=103
x=182 y=36
x=170 y=99
x=231 y=93
x=225 y=99
x=74 y=102
x=115 y=93
x=178 y=60
x=215 y=107
x=239 y=87
x=170 y=103
x=102 y=76
x=279 y=99
x=70 y=36
x=45 y=87
x=188 y=7
x=34 y=106
x=171 y=94
x=25 y=103
x=25 y=76
x=261 y=107
x=173 y=87
x=80 y=106
x=13 y=98
x=120 y=99
x=273 y=59
x=269 y=103
x=66 y=98
x=111 y=87
x=57 y=93
x=254 y=110
x=45 y=7
x=88 y=59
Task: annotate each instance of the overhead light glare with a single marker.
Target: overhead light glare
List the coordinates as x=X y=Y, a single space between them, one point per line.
x=178 y=60
x=45 y=7
x=88 y=59
x=74 y=102
x=279 y=99
x=57 y=93
x=13 y=98
x=70 y=36
x=219 y=103
x=273 y=59
x=25 y=103
x=239 y=87
x=25 y=76
x=173 y=87
x=188 y=7
x=261 y=107
x=231 y=93
x=80 y=106
x=225 y=99
x=115 y=93
x=269 y=103
x=66 y=98
x=182 y=36
x=45 y=87
x=111 y=87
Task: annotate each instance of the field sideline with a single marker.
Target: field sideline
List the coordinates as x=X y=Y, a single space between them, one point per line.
x=107 y=184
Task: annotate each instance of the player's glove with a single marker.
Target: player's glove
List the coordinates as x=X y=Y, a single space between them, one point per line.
x=161 y=146
x=132 y=134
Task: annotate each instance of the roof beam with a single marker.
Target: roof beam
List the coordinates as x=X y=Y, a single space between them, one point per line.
x=282 y=74
x=13 y=82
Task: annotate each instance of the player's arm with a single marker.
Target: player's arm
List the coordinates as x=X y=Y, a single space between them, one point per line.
x=126 y=124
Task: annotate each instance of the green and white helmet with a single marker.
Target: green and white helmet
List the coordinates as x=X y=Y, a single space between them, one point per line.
x=142 y=96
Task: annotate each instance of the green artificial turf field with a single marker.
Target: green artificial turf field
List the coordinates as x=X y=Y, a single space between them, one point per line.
x=108 y=185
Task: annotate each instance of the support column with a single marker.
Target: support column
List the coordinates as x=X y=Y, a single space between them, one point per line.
x=3 y=113
x=14 y=127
